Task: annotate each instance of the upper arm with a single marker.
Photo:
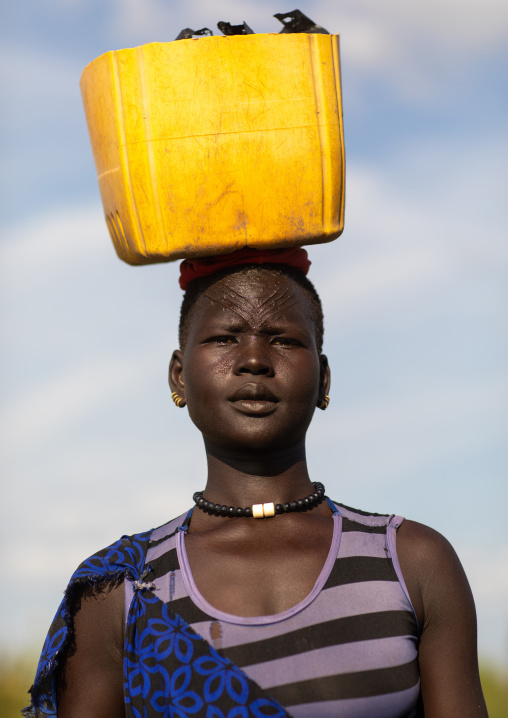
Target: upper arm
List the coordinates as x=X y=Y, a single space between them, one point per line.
x=443 y=601
x=91 y=683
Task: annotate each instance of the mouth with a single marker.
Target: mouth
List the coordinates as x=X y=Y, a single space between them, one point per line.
x=254 y=399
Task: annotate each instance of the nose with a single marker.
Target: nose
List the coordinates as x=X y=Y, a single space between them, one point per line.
x=254 y=357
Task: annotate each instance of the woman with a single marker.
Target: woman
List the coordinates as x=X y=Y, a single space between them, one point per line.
x=313 y=609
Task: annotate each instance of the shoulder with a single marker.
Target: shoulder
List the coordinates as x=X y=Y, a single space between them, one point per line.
x=433 y=573
x=421 y=544
x=127 y=556
x=426 y=551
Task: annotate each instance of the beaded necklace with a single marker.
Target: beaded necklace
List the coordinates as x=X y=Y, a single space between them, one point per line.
x=261 y=511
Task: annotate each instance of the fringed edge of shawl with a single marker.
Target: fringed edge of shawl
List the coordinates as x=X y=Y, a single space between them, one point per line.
x=43 y=703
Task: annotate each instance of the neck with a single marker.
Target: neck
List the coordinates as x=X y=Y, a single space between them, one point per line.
x=241 y=479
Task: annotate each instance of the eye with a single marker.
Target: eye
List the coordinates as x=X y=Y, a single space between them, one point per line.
x=222 y=340
x=287 y=342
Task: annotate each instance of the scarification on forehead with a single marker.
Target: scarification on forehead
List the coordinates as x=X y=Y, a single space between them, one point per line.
x=256 y=311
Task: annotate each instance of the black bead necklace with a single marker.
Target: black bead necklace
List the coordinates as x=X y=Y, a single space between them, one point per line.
x=261 y=511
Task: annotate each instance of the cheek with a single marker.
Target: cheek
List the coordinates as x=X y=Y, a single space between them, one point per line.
x=207 y=387
x=303 y=379
x=204 y=375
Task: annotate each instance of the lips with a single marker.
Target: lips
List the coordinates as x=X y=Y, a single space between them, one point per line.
x=254 y=399
x=254 y=392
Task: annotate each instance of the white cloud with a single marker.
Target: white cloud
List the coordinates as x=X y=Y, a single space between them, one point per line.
x=434 y=405
x=387 y=439
x=43 y=412
x=459 y=27
x=158 y=21
x=89 y=524
x=29 y=75
x=35 y=252
x=425 y=220
x=422 y=51
x=356 y=287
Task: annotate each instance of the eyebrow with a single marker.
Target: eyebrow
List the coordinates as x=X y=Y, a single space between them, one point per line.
x=237 y=327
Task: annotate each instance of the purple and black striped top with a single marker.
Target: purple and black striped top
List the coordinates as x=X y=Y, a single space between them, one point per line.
x=348 y=650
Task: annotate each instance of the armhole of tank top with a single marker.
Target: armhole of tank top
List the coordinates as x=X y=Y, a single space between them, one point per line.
x=391 y=543
x=129 y=595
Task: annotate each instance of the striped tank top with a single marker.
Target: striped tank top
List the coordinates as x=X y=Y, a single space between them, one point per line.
x=348 y=650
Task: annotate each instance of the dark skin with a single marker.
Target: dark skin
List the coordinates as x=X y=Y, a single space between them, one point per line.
x=251 y=376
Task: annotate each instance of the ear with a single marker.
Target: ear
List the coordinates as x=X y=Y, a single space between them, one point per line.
x=324 y=379
x=175 y=375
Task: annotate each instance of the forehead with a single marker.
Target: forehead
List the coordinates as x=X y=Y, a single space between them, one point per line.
x=256 y=297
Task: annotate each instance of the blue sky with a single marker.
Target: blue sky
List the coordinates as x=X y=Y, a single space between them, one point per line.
x=414 y=294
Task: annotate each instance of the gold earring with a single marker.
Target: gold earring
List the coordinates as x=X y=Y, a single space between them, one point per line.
x=324 y=404
x=178 y=400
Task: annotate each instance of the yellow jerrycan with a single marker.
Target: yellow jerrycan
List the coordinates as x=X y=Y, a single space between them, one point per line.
x=206 y=146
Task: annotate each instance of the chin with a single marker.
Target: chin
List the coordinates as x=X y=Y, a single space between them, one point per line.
x=258 y=443
x=255 y=433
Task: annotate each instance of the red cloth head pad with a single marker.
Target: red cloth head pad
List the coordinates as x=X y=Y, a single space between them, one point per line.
x=193 y=268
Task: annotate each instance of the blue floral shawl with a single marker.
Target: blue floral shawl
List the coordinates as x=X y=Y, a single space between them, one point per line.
x=169 y=669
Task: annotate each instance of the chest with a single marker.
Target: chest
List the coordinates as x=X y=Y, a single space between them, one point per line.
x=262 y=572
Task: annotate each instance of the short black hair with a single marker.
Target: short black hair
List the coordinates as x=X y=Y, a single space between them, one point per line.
x=201 y=284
